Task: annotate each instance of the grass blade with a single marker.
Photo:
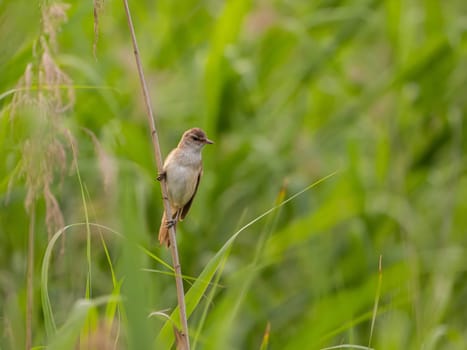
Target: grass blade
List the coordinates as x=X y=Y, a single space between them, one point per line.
x=196 y=292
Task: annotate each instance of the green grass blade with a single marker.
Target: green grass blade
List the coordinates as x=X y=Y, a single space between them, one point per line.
x=265 y=341
x=68 y=335
x=49 y=320
x=377 y=297
x=196 y=292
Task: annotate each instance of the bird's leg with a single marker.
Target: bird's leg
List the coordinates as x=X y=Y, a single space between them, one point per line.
x=172 y=222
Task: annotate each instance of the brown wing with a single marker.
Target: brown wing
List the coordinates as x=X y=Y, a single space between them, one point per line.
x=188 y=204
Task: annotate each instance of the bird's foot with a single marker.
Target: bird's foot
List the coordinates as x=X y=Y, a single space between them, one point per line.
x=170 y=223
x=161 y=176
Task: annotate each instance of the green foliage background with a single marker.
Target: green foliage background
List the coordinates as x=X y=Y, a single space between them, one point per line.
x=290 y=91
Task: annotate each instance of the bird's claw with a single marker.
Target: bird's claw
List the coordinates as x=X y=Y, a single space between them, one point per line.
x=170 y=223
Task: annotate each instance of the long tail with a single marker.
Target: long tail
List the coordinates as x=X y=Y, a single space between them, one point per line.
x=164 y=232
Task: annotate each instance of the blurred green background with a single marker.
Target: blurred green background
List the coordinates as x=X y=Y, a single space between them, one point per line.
x=291 y=91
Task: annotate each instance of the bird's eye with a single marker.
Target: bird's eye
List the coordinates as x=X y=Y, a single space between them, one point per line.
x=196 y=138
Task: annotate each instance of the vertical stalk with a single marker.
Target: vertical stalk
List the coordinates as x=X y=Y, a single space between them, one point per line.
x=159 y=163
x=30 y=278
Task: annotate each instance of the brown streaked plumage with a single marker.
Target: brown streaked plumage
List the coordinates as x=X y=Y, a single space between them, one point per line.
x=182 y=170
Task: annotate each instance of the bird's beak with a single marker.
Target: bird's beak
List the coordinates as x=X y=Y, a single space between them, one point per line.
x=208 y=141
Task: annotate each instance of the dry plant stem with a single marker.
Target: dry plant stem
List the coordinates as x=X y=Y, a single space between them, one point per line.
x=158 y=158
x=29 y=278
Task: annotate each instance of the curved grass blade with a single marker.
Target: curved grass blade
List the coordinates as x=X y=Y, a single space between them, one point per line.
x=49 y=320
x=165 y=338
x=67 y=336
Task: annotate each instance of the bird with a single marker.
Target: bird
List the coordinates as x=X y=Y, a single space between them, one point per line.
x=182 y=171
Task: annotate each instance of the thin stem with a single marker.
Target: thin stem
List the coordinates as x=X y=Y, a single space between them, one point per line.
x=158 y=158
x=30 y=279
x=378 y=295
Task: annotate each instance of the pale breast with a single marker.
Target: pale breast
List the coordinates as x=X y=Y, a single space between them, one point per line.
x=182 y=176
